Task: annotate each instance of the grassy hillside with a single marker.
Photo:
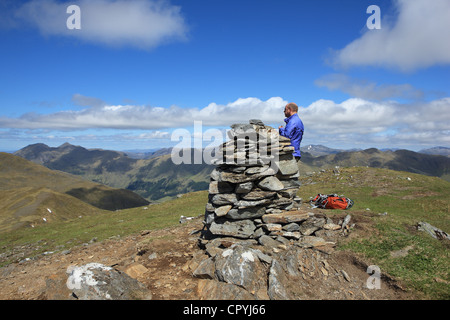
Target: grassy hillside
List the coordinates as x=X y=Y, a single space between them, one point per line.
x=387 y=208
x=31 y=193
x=62 y=235
x=30 y=206
x=395 y=205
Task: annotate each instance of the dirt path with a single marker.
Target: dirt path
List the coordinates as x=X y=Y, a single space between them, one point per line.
x=163 y=260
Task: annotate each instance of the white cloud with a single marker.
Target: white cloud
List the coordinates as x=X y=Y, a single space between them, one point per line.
x=418 y=39
x=148 y=117
x=388 y=123
x=351 y=122
x=351 y=116
x=430 y=117
x=152 y=135
x=139 y=23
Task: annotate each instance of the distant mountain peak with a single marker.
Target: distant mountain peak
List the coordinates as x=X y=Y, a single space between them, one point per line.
x=65 y=145
x=440 y=151
x=319 y=150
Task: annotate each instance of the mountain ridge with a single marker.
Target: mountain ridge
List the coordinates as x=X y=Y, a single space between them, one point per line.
x=159 y=179
x=154 y=179
x=399 y=160
x=313 y=149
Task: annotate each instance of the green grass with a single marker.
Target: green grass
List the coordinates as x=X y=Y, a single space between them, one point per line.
x=407 y=202
x=64 y=235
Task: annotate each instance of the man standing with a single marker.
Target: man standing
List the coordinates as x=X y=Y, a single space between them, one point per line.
x=294 y=128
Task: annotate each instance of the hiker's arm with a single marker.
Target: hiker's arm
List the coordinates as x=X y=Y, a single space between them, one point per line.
x=287 y=131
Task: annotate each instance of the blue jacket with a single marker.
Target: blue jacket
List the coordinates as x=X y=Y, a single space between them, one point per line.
x=294 y=130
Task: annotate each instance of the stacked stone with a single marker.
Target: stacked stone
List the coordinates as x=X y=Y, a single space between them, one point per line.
x=256 y=174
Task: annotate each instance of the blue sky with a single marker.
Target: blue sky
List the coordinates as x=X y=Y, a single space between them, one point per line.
x=138 y=70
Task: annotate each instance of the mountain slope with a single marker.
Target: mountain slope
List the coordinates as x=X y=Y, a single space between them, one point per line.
x=400 y=160
x=77 y=160
x=159 y=177
x=154 y=179
x=31 y=192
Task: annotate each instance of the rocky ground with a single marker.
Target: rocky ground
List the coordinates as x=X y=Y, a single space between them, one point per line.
x=164 y=262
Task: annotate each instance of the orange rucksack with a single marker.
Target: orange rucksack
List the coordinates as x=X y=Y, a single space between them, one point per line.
x=332 y=201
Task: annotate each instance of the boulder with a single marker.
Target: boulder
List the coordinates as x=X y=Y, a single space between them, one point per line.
x=258 y=194
x=432 y=231
x=310 y=225
x=287 y=234
x=287 y=165
x=311 y=242
x=216 y=187
x=270 y=183
x=240 y=265
x=236 y=177
x=136 y=270
x=291 y=227
x=277 y=282
x=255 y=170
x=95 y=281
x=223 y=210
x=242 y=204
x=245 y=187
x=242 y=130
x=215 y=290
x=267 y=241
x=239 y=229
x=224 y=199
x=205 y=270
x=246 y=213
x=285 y=218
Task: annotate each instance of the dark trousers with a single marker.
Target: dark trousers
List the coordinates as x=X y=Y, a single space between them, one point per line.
x=298 y=162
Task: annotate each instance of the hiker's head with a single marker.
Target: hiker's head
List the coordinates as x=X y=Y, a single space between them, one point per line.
x=290 y=109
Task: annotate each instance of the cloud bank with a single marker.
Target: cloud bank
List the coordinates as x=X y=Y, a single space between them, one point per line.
x=138 y=117
x=351 y=122
x=418 y=39
x=140 y=23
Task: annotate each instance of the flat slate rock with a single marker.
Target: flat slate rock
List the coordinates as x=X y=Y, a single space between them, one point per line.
x=239 y=229
x=285 y=218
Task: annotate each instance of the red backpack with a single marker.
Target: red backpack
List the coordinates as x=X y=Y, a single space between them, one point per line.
x=332 y=201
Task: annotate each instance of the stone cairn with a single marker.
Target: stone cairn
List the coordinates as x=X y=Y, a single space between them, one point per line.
x=258 y=242
x=255 y=179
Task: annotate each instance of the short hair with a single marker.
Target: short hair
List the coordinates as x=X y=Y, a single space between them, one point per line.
x=292 y=106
